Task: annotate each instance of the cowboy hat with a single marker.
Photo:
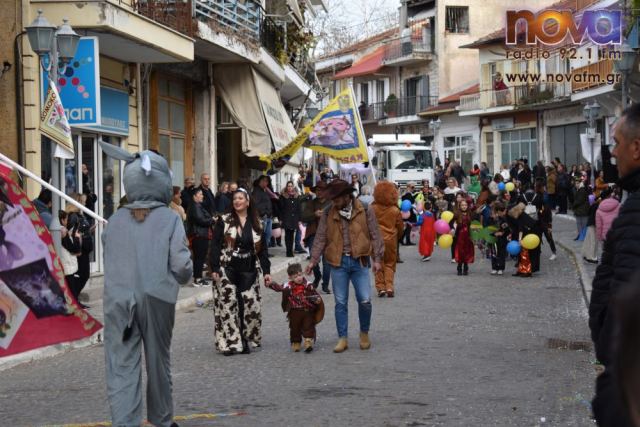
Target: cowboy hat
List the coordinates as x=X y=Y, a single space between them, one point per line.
x=337 y=188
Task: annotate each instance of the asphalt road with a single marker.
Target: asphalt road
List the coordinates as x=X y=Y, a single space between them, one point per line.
x=448 y=350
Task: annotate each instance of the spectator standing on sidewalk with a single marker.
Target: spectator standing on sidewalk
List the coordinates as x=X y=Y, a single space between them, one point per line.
x=349 y=237
x=581 y=205
x=43 y=205
x=620 y=259
x=262 y=205
x=199 y=226
x=563 y=189
x=606 y=213
x=186 y=195
x=290 y=215
x=552 y=178
x=208 y=201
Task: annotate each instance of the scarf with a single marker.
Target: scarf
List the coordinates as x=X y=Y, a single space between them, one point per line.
x=346 y=211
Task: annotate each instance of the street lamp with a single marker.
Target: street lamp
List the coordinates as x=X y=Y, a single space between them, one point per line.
x=434 y=125
x=591 y=113
x=624 y=66
x=53 y=46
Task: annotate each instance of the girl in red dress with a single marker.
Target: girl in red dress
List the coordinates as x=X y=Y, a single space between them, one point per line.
x=464 y=252
x=427 y=232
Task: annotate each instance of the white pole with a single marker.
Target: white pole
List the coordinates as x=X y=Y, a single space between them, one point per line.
x=53 y=189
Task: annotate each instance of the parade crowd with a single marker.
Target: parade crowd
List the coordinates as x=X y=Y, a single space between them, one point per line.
x=346 y=229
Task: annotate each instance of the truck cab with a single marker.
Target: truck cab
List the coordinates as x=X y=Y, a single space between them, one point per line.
x=402 y=158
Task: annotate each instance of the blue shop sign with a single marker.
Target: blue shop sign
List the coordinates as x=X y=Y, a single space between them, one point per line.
x=114 y=107
x=79 y=84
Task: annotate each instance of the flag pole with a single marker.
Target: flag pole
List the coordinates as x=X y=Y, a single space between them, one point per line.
x=53 y=189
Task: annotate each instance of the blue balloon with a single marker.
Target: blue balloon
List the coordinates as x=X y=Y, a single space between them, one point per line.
x=501 y=186
x=513 y=247
x=420 y=220
x=405 y=206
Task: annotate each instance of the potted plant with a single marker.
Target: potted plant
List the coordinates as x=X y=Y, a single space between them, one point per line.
x=391 y=105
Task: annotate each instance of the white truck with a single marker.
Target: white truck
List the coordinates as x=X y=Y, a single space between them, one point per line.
x=402 y=158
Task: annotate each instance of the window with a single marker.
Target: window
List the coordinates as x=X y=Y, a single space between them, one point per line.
x=364 y=93
x=488 y=137
x=409 y=159
x=457 y=19
x=519 y=144
x=172 y=125
x=380 y=91
x=455 y=148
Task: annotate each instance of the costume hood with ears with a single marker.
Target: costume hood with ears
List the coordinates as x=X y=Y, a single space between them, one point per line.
x=147 y=177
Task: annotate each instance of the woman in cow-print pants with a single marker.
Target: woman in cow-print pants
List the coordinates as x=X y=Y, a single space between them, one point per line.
x=238 y=258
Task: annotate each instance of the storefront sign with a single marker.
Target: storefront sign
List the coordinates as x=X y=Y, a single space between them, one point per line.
x=79 y=84
x=114 y=109
x=499 y=124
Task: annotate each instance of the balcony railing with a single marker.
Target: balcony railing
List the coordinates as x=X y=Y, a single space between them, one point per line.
x=596 y=74
x=241 y=18
x=176 y=14
x=272 y=38
x=515 y=96
x=397 y=50
x=408 y=106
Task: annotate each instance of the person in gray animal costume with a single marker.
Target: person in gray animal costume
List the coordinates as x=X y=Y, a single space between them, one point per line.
x=145 y=259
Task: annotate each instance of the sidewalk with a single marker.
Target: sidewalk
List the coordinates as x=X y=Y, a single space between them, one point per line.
x=564 y=233
x=188 y=296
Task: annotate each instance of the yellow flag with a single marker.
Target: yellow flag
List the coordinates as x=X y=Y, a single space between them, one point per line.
x=335 y=131
x=53 y=121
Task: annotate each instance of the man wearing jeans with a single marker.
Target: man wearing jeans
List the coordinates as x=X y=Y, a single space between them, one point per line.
x=348 y=236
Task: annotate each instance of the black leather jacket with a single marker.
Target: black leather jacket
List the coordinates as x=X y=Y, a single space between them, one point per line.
x=199 y=221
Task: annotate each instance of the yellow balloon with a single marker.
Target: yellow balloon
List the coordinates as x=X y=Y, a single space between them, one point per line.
x=530 y=241
x=510 y=186
x=447 y=216
x=445 y=241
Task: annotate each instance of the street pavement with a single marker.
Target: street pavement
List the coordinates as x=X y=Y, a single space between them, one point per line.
x=479 y=350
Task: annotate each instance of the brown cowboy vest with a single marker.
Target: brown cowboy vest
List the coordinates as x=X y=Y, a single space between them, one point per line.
x=358 y=235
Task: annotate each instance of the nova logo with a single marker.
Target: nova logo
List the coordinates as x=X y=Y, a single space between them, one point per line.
x=550 y=27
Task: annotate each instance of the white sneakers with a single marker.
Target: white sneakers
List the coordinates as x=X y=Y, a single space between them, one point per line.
x=500 y=272
x=426 y=258
x=494 y=272
x=453 y=261
x=552 y=257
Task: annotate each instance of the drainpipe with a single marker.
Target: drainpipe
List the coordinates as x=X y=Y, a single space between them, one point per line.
x=139 y=88
x=17 y=60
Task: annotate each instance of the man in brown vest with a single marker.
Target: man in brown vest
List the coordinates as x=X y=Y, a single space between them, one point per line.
x=348 y=236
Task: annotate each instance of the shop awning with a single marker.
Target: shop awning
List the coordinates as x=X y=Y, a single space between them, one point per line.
x=369 y=64
x=255 y=107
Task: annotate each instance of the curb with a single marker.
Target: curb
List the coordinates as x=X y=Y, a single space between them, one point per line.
x=49 y=351
x=583 y=275
x=205 y=296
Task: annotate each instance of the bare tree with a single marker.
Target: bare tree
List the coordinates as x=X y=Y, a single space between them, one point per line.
x=348 y=21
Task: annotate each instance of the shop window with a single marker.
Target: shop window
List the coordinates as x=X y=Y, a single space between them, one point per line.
x=457 y=19
x=519 y=144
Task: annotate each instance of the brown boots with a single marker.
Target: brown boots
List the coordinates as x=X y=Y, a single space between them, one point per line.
x=365 y=344
x=342 y=345
x=295 y=346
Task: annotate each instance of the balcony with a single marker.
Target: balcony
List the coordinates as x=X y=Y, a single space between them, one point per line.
x=398 y=53
x=136 y=31
x=541 y=93
x=398 y=108
x=515 y=96
x=239 y=19
x=596 y=75
x=177 y=15
x=301 y=64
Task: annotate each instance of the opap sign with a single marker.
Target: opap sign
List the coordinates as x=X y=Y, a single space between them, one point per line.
x=79 y=84
x=550 y=27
